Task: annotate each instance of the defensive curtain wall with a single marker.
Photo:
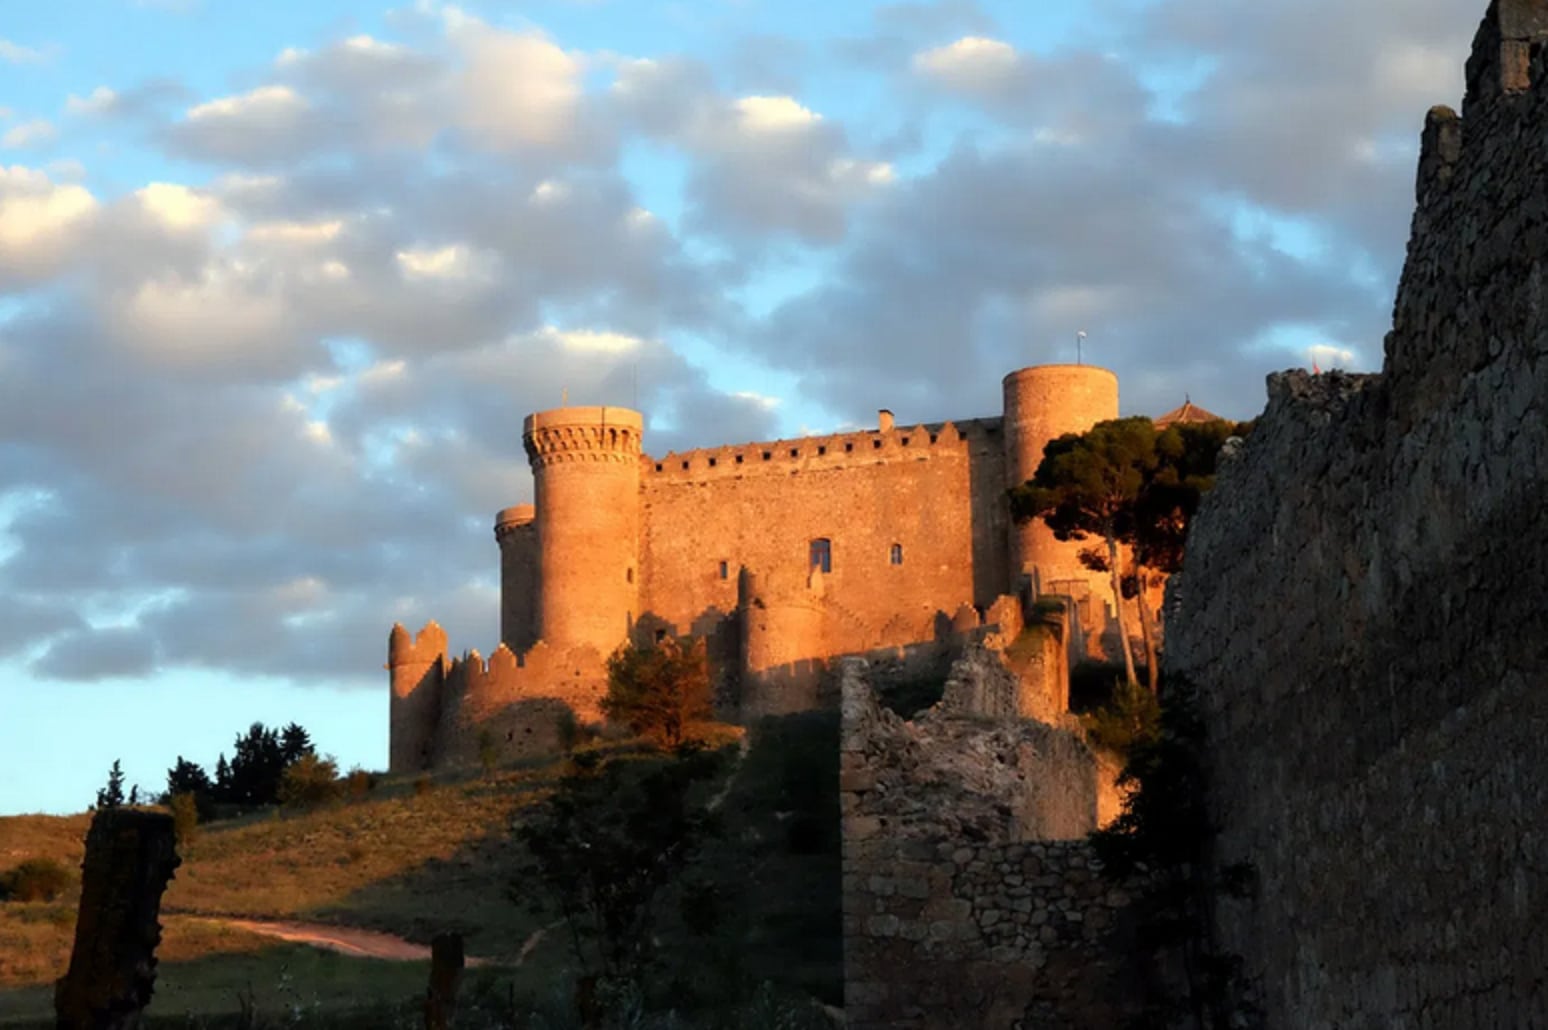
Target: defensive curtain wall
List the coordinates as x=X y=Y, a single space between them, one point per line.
x=1362 y=607
x=892 y=542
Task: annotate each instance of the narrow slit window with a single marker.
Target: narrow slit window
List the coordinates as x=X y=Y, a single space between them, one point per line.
x=896 y=555
x=725 y=570
x=821 y=554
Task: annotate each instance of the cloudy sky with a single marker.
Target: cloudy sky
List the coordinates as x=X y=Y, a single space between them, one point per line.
x=278 y=283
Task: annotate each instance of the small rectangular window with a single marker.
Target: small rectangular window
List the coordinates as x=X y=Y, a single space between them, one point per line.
x=767 y=455
x=876 y=445
x=712 y=462
x=822 y=450
x=738 y=459
x=725 y=570
x=685 y=464
x=849 y=446
x=905 y=441
x=821 y=554
x=795 y=452
x=896 y=556
x=658 y=466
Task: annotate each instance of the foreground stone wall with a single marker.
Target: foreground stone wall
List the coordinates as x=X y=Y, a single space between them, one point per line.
x=1362 y=608
x=971 y=897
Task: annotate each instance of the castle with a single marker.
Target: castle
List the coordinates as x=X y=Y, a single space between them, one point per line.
x=781 y=555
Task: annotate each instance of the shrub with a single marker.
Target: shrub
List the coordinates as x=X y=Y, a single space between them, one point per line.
x=310 y=781
x=37 y=879
x=1132 y=717
x=567 y=728
x=185 y=817
x=359 y=783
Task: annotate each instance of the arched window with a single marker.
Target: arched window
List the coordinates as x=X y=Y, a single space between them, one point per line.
x=896 y=555
x=821 y=554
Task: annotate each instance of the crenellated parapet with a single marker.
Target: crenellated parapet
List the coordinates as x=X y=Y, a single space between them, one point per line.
x=595 y=434
x=835 y=451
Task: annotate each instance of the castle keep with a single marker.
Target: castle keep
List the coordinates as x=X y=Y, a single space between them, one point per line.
x=781 y=555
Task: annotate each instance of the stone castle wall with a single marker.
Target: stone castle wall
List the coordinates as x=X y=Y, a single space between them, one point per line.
x=970 y=895
x=935 y=492
x=1362 y=609
x=450 y=712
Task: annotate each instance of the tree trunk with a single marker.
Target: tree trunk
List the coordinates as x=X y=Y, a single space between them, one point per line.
x=1123 y=629
x=1148 y=629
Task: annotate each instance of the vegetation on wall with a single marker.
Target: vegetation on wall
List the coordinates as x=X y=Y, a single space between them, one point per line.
x=1163 y=841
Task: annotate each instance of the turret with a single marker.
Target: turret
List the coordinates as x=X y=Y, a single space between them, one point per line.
x=783 y=643
x=586 y=467
x=1042 y=403
x=415 y=666
x=516 y=533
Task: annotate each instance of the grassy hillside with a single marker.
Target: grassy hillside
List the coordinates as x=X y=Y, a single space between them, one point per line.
x=415 y=858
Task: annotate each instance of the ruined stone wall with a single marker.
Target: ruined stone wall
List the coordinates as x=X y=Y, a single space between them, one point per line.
x=1362 y=608
x=970 y=895
x=936 y=492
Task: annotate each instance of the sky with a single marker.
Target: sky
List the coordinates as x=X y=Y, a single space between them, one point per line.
x=278 y=283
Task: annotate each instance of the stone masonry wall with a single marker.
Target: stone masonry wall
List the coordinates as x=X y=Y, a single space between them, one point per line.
x=937 y=492
x=971 y=897
x=1362 y=609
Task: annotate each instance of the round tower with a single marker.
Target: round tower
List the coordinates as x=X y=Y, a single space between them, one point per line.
x=586 y=467
x=1042 y=403
x=515 y=531
x=783 y=645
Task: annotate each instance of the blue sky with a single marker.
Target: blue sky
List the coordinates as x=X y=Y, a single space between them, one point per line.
x=278 y=283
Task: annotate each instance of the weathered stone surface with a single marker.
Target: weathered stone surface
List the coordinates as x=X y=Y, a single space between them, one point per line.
x=942 y=878
x=1362 y=610
x=130 y=856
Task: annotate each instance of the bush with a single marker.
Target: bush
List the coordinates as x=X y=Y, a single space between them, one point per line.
x=657 y=691
x=1132 y=717
x=37 y=879
x=359 y=783
x=310 y=781
x=185 y=817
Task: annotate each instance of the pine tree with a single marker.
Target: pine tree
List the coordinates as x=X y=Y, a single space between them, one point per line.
x=295 y=742
x=112 y=796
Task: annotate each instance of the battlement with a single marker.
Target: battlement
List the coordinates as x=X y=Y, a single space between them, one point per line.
x=582 y=434
x=511 y=519
x=428 y=645
x=833 y=451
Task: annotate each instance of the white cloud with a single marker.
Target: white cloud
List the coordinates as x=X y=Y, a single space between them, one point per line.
x=178 y=207
x=516 y=88
x=300 y=233
x=549 y=192
x=99 y=101
x=972 y=62
x=38 y=219
x=28 y=134
x=456 y=261
x=774 y=114
x=588 y=341
x=266 y=103
x=221 y=318
x=15 y=53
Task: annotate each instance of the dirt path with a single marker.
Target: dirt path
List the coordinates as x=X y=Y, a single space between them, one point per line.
x=343 y=939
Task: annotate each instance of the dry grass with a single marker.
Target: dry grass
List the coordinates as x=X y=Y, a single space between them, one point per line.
x=414 y=857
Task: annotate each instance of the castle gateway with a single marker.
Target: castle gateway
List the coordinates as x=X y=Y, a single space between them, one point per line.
x=781 y=555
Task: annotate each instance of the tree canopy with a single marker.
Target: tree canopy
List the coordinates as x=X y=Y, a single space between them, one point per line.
x=657 y=690
x=1132 y=485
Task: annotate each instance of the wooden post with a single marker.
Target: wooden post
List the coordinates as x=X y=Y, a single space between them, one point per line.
x=445 y=975
x=130 y=856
